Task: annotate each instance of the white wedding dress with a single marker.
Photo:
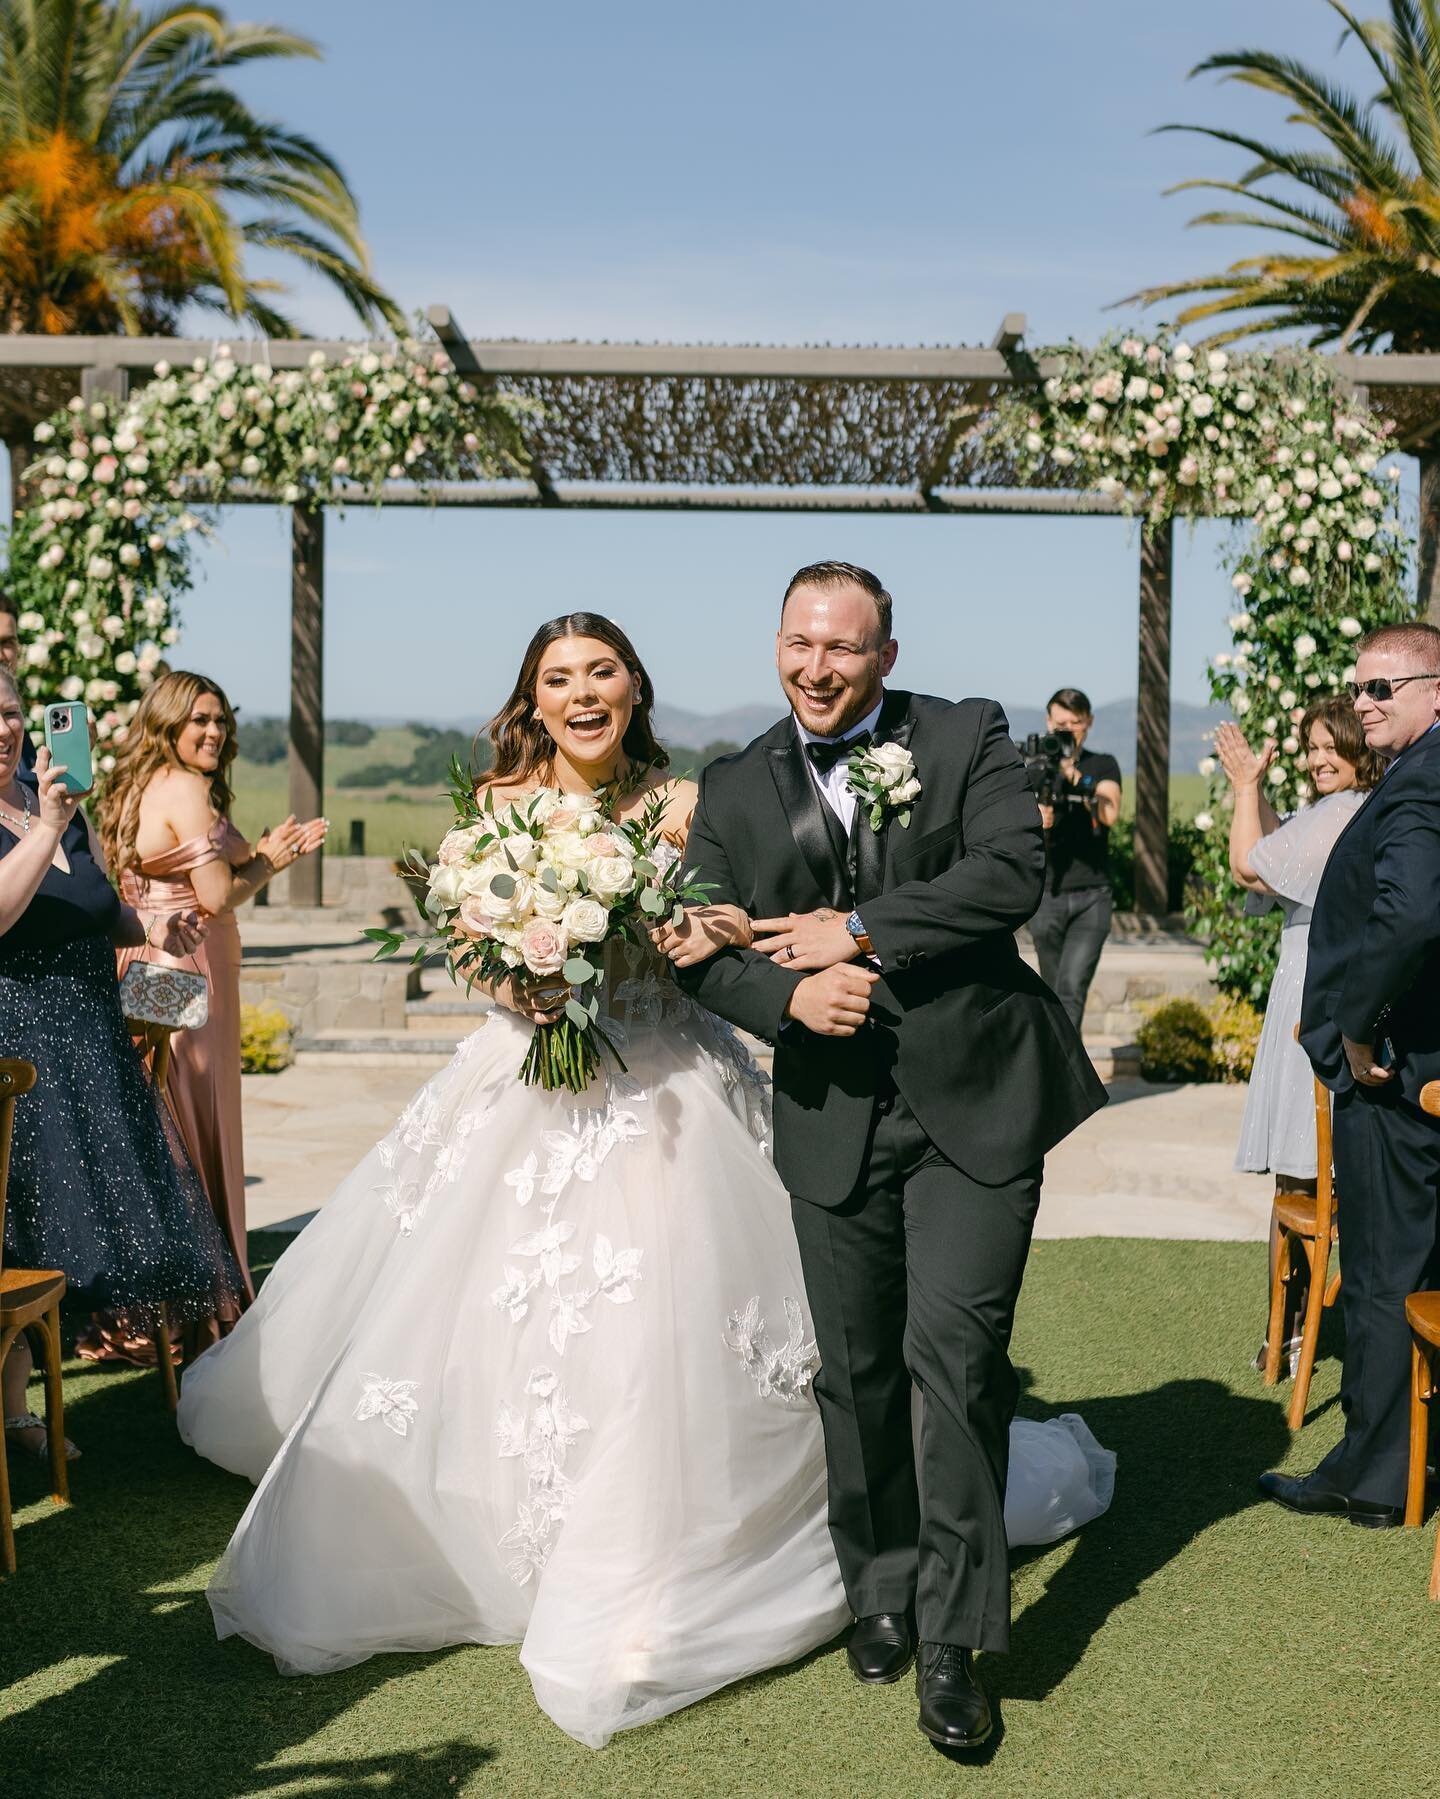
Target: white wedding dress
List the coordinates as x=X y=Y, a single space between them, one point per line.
x=539 y=1373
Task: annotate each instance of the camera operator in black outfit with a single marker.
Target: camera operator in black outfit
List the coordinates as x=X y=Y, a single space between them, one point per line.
x=1079 y=796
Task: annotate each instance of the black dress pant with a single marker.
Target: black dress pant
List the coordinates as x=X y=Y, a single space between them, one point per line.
x=1387 y=1177
x=1069 y=931
x=912 y=1283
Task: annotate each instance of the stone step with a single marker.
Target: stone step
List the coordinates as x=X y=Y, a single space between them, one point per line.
x=375 y=1049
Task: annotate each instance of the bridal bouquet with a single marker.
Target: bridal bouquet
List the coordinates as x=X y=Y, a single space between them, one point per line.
x=541 y=885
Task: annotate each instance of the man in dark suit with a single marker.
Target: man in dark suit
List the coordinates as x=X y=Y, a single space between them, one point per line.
x=921 y=1072
x=1370 y=1023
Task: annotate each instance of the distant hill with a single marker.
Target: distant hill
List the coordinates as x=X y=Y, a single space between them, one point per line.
x=1191 y=728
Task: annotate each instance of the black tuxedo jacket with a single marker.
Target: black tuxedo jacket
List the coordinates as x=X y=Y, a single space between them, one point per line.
x=1373 y=969
x=976 y=1043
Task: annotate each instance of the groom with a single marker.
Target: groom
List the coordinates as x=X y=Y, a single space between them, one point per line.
x=921 y=1072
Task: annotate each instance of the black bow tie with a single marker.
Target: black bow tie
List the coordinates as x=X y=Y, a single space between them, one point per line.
x=825 y=753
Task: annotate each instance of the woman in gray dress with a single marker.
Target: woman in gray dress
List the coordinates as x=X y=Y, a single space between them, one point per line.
x=1279 y=863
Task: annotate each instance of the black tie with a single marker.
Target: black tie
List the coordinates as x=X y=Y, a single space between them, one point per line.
x=824 y=753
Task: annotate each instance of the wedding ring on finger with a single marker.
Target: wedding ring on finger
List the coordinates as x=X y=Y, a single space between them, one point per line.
x=789 y=952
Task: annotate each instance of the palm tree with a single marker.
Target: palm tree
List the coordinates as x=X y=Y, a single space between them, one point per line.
x=1368 y=200
x=133 y=180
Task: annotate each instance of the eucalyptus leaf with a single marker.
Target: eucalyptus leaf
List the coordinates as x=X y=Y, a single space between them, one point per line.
x=577 y=1015
x=503 y=886
x=577 y=971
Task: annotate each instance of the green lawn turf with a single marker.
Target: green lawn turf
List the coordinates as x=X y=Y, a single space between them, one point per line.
x=1190 y=1642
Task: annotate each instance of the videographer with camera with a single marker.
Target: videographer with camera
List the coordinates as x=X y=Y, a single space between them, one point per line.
x=1078 y=791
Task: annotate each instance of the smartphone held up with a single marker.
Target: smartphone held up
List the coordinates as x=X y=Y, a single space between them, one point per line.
x=67 y=737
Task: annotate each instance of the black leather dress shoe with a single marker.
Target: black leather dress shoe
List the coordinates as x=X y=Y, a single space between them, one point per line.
x=1302 y=1493
x=881 y=1648
x=954 y=1712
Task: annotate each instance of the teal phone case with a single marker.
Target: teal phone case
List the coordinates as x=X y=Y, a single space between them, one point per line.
x=68 y=742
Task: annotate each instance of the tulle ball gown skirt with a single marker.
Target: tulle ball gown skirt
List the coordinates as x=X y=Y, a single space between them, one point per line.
x=538 y=1372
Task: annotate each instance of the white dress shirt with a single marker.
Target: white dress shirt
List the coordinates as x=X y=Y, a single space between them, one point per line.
x=834 y=784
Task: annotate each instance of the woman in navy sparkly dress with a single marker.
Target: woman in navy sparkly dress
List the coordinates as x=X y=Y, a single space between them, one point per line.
x=98 y=1188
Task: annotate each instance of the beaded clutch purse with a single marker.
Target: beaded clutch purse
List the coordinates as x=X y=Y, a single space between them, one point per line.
x=152 y=994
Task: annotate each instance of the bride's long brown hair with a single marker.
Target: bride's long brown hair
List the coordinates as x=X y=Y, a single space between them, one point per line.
x=150 y=745
x=522 y=745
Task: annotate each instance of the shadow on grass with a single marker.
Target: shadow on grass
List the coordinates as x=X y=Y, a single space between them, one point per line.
x=1189 y=1454
x=116 y=1681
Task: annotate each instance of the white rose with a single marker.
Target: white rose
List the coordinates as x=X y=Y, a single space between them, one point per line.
x=506 y=896
x=905 y=792
x=1207 y=767
x=1278 y=776
x=71 y=687
x=1305 y=647
x=1202 y=406
x=444 y=887
x=1312 y=680
x=610 y=877
x=1245 y=402
x=887 y=764
x=1350 y=627
x=456 y=845
x=541 y=804
x=566 y=849
x=37 y=655
x=1290 y=745
x=1287 y=699
x=519 y=854
x=586 y=921
x=1299 y=577
x=1204 y=821
x=125 y=663
x=100 y=568
x=1240 y=704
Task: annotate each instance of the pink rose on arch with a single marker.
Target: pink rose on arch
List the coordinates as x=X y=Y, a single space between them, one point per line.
x=542 y=946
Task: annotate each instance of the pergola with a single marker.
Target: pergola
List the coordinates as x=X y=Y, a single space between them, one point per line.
x=732 y=428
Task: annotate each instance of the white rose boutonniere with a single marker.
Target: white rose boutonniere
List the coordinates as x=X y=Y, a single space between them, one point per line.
x=883 y=778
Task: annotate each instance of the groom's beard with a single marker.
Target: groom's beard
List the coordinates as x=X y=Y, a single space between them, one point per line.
x=856 y=707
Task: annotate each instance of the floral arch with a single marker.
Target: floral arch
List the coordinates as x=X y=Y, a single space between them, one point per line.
x=120 y=488
x=1276 y=443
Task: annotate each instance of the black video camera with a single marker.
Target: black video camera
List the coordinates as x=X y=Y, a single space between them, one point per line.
x=1042 y=753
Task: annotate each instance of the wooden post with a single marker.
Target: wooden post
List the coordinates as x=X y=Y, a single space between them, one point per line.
x=307 y=690
x=1152 y=721
x=1427 y=593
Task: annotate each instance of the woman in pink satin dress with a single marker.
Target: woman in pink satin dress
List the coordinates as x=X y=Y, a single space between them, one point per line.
x=183 y=866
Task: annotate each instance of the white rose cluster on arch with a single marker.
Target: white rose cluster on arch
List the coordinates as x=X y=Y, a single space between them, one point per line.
x=1266 y=439
x=118 y=492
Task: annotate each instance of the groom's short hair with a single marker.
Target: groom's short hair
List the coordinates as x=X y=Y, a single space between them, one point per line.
x=844 y=574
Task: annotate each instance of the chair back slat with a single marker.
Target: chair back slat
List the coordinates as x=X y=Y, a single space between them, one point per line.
x=1324 y=1165
x=15 y=1078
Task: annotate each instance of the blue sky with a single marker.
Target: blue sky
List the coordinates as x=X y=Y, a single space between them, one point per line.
x=786 y=172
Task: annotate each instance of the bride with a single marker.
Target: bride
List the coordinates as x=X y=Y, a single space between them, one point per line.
x=539 y=1370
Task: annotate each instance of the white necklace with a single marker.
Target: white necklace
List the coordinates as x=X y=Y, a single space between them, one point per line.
x=23 y=820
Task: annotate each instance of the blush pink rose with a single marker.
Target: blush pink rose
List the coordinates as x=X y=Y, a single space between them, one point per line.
x=563 y=818
x=602 y=844
x=455 y=847
x=542 y=946
x=474 y=920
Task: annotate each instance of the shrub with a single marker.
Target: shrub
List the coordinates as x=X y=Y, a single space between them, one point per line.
x=1182 y=1040
x=265 y=1046
x=1236 y=1026
x=1177 y=1043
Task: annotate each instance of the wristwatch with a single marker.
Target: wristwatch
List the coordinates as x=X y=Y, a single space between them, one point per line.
x=857 y=930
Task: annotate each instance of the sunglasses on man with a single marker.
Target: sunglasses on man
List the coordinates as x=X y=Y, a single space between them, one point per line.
x=1380 y=688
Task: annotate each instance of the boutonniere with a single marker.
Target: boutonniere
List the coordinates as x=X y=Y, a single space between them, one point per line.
x=883 y=777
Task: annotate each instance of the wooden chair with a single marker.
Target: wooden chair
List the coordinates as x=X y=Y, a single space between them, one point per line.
x=153 y=1042
x=1422 y=1314
x=1305 y=1225
x=29 y=1301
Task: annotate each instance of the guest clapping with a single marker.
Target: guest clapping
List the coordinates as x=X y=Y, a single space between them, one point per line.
x=95 y=1189
x=180 y=861
x=1279 y=862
